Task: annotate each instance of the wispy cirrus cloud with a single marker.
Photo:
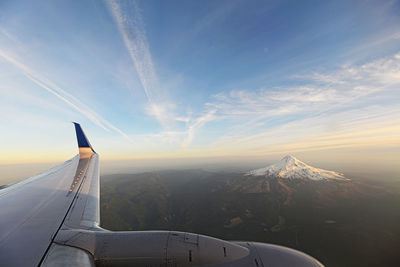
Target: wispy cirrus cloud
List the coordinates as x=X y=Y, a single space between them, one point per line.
x=197 y=124
x=365 y=127
x=325 y=101
x=128 y=17
x=342 y=98
x=322 y=91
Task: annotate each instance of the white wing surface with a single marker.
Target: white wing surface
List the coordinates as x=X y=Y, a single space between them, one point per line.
x=34 y=210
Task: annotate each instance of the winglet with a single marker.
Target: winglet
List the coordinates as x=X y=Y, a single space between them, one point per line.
x=85 y=148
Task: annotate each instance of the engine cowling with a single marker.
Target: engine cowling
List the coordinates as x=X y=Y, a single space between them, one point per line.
x=175 y=249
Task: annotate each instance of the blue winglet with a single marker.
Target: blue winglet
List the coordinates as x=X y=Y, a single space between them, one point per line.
x=81 y=137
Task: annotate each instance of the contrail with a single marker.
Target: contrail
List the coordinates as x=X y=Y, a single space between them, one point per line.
x=131 y=26
x=61 y=94
x=131 y=29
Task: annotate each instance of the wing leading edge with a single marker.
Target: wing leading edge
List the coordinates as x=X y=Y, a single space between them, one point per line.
x=34 y=210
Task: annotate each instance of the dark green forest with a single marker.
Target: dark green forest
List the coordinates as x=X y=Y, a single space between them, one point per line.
x=354 y=223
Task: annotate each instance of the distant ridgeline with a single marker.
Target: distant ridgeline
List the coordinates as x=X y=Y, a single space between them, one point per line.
x=290 y=203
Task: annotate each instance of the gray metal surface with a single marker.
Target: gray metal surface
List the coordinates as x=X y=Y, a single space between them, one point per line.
x=269 y=255
x=32 y=211
x=152 y=248
x=85 y=211
x=63 y=256
x=178 y=249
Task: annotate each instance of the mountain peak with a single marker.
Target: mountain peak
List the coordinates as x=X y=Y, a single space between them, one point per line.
x=289 y=159
x=291 y=168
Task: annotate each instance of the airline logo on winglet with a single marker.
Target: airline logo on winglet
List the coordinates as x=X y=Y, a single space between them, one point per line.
x=85 y=148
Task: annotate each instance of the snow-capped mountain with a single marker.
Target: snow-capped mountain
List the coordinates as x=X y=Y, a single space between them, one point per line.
x=291 y=168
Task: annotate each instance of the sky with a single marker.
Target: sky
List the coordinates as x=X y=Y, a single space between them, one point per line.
x=180 y=80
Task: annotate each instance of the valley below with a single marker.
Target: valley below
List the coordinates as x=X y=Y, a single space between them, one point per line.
x=341 y=222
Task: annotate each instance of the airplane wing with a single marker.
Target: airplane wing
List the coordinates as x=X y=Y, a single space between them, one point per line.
x=52 y=219
x=34 y=210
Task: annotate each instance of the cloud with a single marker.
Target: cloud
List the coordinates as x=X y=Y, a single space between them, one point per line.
x=128 y=17
x=197 y=124
x=131 y=26
x=61 y=94
x=132 y=31
x=325 y=101
x=369 y=127
x=323 y=91
x=345 y=97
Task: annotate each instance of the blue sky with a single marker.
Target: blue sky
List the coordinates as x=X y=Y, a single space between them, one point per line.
x=173 y=79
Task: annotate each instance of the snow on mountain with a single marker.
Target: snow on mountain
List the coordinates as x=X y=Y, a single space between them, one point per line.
x=291 y=168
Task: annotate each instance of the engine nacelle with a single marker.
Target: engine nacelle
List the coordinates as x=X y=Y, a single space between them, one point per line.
x=152 y=248
x=175 y=249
